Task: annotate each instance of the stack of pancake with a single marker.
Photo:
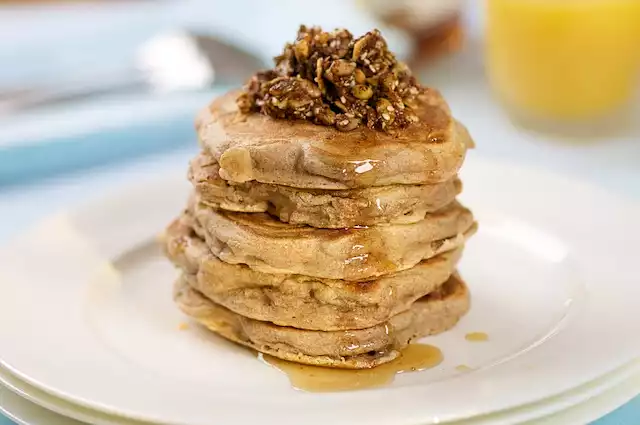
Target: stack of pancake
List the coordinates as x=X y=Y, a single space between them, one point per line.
x=322 y=246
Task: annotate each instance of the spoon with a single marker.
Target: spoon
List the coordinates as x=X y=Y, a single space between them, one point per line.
x=168 y=62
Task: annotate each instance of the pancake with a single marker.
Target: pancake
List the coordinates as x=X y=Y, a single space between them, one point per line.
x=301 y=301
x=321 y=208
x=270 y=246
x=300 y=154
x=353 y=349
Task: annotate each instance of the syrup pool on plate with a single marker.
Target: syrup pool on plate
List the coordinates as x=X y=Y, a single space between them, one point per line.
x=414 y=358
x=477 y=337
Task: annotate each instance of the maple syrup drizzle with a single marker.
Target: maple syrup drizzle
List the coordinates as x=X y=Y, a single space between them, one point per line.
x=414 y=358
x=477 y=337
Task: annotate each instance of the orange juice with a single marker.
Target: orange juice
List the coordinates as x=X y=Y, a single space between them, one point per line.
x=563 y=59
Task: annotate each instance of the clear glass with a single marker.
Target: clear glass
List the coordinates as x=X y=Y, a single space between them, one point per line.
x=563 y=60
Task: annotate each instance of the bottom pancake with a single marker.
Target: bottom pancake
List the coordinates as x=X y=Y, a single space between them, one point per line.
x=352 y=349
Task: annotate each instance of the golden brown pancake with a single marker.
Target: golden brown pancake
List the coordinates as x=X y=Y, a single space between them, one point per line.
x=301 y=301
x=324 y=227
x=270 y=246
x=352 y=349
x=301 y=154
x=399 y=204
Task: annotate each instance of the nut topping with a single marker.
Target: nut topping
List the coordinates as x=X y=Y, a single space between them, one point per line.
x=332 y=79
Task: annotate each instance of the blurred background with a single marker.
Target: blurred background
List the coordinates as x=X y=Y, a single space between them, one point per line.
x=85 y=83
x=102 y=83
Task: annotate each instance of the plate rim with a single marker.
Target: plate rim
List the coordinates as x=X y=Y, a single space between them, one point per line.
x=577 y=397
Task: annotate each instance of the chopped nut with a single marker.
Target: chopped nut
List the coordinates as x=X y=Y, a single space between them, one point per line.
x=347 y=124
x=322 y=38
x=399 y=69
x=322 y=73
x=358 y=48
x=382 y=105
x=362 y=92
x=318 y=79
x=371 y=50
x=388 y=81
x=342 y=68
x=302 y=49
x=386 y=111
x=291 y=95
x=325 y=116
x=253 y=94
x=341 y=105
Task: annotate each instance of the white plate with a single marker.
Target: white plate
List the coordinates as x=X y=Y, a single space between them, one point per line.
x=18 y=396
x=548 y=411
x=24 y=412
x=28 y=405
x=552 y=274
x=595 y=407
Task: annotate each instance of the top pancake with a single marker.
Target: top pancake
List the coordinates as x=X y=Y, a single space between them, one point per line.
x=300 y=154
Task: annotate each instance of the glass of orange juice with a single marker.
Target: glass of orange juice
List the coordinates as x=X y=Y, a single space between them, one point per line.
x=565 y=60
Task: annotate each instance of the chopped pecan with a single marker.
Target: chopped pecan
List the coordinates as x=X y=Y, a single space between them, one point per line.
x=330 y=78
